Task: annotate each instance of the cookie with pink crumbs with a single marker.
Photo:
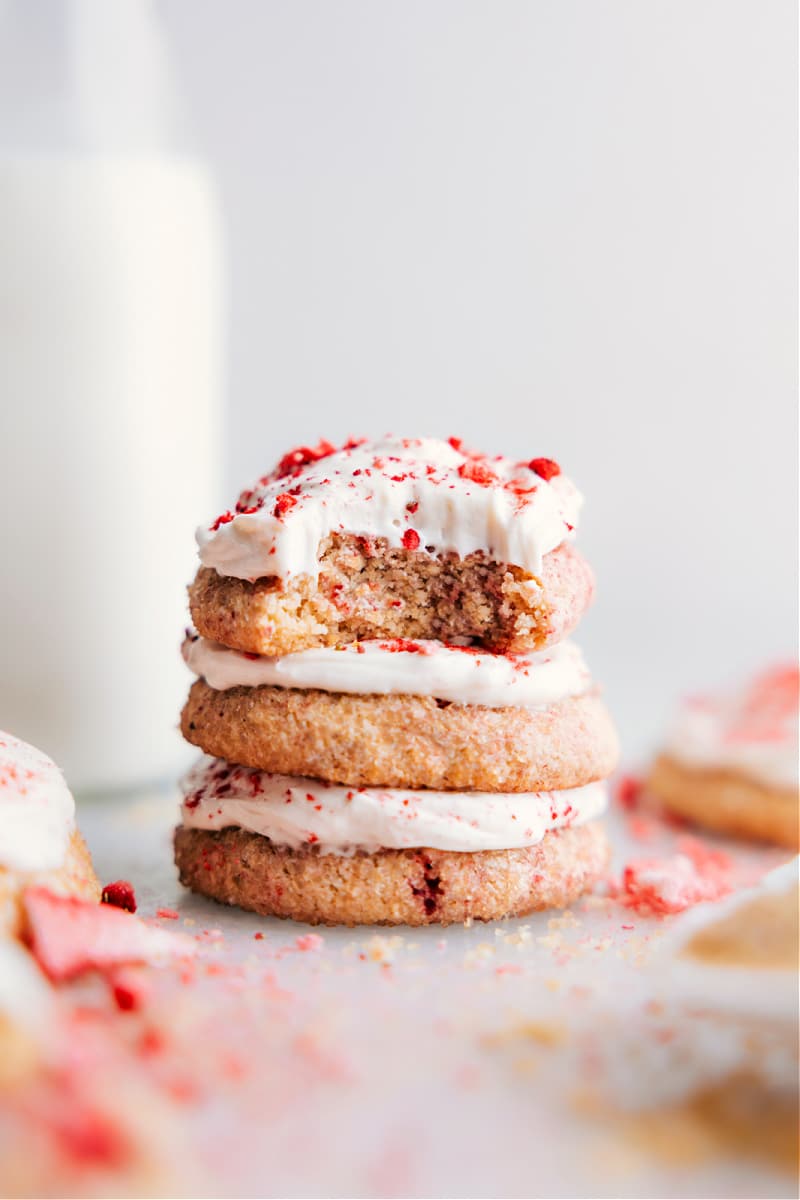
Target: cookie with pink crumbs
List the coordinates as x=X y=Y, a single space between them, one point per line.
x=367 y=590
x=39 y=842
x=390 y=887
x=731 y=760
x=404 y=741
x=398 y=538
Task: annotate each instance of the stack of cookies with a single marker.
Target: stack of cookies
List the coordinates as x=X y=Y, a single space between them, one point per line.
x=395 y=730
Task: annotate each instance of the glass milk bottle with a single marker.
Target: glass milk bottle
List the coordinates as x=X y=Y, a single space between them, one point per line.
x=110 y=364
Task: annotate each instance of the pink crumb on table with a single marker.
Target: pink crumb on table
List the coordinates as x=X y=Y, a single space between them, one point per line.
x=309 y=941
x=167 y=914
x=628 y=791
x=671 y=885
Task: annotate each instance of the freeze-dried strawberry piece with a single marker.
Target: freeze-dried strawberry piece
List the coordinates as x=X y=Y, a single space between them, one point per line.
x=476 y=472
x=410 y=539
x=120 y=894
x=293 y=462
x=545 y=468
x=69 y=936
x=283 y=504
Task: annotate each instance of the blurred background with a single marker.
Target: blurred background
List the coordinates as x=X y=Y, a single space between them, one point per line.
x=552 y=227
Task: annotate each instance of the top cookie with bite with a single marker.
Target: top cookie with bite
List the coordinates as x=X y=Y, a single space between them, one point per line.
x=398 y=538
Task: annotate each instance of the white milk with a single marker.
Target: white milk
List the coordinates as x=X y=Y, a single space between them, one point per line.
x=110 y=358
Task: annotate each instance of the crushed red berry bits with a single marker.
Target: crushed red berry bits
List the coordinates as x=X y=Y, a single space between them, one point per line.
x=120 y=894
x=545 y=468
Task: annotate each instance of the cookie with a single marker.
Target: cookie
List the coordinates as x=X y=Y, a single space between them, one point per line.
x=731 y=761
x=727 y=801
x=370 y=591
x=403 y=741
x=390 y=887
x=39 y=842
x=411 y=538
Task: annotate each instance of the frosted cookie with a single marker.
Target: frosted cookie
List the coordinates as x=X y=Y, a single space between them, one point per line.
x=403 y=714
x=314 y=852
x=26 y=1004
x=39 y=841
x=731 y=761
x=734 y=964
x=401 y=538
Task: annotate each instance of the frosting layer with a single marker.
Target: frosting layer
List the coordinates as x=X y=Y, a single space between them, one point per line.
x=297 y=812
x=753 y=731
x=420 y=493
x=37 y=812
x=409 y=668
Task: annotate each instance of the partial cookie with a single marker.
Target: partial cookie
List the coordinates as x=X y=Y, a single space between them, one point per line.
x=403 y=741
x=731 y=761
x=727 y=802
x=390 y=887
x=39 y=843
x=367 y=590
x=404 y=537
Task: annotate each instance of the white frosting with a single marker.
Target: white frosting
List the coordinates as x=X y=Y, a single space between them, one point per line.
x=296 y=812
x=25 y=995
x=407 y=668
x=37 y=812
x=753 y=731
x=425 y=490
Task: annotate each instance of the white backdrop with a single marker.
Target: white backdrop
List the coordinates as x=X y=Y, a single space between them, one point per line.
x=554 y=227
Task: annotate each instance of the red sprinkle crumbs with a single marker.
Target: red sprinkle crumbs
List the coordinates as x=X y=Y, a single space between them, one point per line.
x=130 y=989
x=476 y=472
x=308 y=941
x=87 y=1138
x=411 y=539
x=283 y=504
x=412 y=506
x=545 y=468
x=293 y=462
x=629 y=792
x=222 y=520
x=456 y=443
x=662 y=886
x=120 y=894
x=398 y=645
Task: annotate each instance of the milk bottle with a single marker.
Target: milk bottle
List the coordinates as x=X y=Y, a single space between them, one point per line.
x=110 y=362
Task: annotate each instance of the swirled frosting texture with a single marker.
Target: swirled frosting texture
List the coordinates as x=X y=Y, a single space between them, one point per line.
x=414 y=492
x=37 y=812
x=402 y=667
x=297 y=812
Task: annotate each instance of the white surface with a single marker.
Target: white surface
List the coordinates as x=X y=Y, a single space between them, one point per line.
x=555 y=227
x=407 y=1063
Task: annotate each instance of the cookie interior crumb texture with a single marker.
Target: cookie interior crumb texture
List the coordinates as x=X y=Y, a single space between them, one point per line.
x=366 y=589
